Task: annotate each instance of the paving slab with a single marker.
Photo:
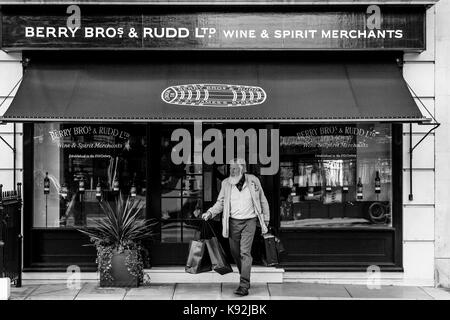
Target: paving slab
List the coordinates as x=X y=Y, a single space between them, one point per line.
x=336 y=298
x=92 y=291
x=50 y=297
x=53 y=292
x=216 y=291
x=144 y=298
x=305 y=290
x=388 y=292
x=197 y=291
x=151 y=292
x=22 y=292
x=437 y=293
x=293 y=298
x=258 y=291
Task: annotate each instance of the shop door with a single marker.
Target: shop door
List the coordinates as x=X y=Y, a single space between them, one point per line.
x=180 y=193
x=176 y=194
x=214 y=175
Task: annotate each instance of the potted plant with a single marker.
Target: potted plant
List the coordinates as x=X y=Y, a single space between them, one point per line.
x=118 y=240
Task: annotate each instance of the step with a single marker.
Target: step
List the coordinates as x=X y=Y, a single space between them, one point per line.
x=37 y=278
x=356 y=278
x=164 y=275
x=178 y=275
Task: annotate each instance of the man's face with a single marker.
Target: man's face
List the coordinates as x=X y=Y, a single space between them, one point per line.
x=235 y=170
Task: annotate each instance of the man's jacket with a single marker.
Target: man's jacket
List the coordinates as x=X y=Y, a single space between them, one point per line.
x=260 y=204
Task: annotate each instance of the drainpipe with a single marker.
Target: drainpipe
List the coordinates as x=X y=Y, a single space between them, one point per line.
x=410 y=163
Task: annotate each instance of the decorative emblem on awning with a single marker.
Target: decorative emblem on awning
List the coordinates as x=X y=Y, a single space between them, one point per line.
x=214 y=95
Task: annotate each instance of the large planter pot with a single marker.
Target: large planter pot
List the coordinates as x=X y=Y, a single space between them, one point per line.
x=121 y=277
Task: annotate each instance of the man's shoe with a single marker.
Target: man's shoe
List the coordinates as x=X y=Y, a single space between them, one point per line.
x=241 y=291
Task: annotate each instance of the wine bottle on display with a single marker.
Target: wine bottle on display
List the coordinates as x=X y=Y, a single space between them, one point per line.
x=310 y=189
x=345 y=186
x=359 y=190
x=328 y=182
x=81 y=186
x=46 y=184
x=377 y=183
x=116 y=184
x=133 y=189
x=98 y=190
x=64 y=190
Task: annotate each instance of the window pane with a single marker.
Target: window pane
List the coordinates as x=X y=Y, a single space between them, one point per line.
x=171 y=232
x=192 y=208
x=85 y=164
x=169 y=181
x=192 y=186
x=336 y=175
x=193 y=169
x=170 y=208
x=191 y=230
x=171 y=193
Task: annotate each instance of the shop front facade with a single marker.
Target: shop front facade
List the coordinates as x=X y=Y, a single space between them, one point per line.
x=321 y=121
x=324 y=200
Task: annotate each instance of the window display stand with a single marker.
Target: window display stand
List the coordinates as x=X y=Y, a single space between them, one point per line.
x=64 y=193
x=81 y=206
x=46 y=192
x=63 y=218
x=344 y=203
x=46 y=210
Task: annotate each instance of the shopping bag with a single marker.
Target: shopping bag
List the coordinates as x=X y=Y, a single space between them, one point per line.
x=198 y=260
x=217 y=256
x=215 y=251
x=270 y=254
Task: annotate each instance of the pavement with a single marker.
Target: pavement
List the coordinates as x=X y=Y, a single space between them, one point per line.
x=224 y=291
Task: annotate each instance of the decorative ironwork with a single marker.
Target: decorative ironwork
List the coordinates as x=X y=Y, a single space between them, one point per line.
x=10 y=234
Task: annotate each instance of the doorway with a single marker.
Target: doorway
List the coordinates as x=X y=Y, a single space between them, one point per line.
x=180 y=193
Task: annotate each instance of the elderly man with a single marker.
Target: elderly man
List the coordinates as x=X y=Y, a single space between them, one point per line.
x=244 y=206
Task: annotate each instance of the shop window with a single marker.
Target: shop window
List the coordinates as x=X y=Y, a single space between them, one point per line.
x=82 y=164
x=336 y=175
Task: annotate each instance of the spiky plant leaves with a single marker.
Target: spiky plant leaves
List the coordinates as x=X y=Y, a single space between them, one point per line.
x=122 y=226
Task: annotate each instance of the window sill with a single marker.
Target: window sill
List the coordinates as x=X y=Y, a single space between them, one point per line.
x=339 y=228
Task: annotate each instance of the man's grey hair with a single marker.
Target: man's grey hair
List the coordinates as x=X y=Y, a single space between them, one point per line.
x=240 y=162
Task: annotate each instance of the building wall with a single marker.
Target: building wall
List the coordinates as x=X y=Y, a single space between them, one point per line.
x=442 y=96
x=426 y=219
x=419 y=214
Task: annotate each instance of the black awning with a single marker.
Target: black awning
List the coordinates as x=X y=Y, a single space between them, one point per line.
x=303 y=92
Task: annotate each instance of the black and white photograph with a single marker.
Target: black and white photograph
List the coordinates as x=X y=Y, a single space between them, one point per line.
x=224 y=158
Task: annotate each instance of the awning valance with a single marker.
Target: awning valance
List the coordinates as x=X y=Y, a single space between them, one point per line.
x=213 y=91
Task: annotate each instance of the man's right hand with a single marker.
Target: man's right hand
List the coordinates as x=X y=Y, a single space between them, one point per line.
x=206 y=216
